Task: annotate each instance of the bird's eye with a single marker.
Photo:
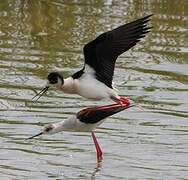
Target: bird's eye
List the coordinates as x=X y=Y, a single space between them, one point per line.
x=48 y=128
x=53 y=80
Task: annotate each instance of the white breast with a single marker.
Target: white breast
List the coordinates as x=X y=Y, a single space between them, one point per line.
x=88 y=86
x=74 y=124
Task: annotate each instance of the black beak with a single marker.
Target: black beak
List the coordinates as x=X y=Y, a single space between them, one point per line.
x=41 y=93
x=35 y=135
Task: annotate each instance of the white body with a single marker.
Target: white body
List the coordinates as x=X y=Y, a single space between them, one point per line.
x=87 y=86
x=74 y=124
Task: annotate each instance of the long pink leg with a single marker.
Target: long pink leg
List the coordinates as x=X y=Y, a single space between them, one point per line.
x=98 y=149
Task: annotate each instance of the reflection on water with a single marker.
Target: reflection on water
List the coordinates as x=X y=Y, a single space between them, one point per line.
x=96 y=170
x=39 y=36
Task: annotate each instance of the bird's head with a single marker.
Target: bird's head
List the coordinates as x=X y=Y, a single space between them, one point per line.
x=47 y=129
x=54 y=79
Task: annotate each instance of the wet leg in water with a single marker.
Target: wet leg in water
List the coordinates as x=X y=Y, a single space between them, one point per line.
x=98 y=149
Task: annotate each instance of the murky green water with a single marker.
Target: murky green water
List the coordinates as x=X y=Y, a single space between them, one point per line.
x=149 y=143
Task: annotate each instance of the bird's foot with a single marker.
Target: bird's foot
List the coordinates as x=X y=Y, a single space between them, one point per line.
x=99 y=156
x=124 y=101
x=121 y=100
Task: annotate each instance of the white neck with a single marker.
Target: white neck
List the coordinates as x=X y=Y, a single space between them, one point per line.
x=66 y=125
x=74 y=124
x=69 y=86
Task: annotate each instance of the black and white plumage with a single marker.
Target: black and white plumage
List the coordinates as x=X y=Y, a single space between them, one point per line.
x=94 y=80
x=85 y=120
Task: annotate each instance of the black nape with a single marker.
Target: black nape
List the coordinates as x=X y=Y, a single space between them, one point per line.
x=78 y=74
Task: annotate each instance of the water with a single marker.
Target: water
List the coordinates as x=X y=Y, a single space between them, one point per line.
x=37 y=37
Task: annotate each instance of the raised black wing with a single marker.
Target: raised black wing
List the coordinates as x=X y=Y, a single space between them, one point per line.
x=101 y=53
x=96 y=114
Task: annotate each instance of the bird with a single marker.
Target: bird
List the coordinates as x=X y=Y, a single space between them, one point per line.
x=94 y=80
x=86 y=120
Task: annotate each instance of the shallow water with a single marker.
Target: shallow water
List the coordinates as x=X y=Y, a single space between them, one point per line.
x=37 y=37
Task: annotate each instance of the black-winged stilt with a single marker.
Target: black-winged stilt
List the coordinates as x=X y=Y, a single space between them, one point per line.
x=85 y=120
x=94 y=80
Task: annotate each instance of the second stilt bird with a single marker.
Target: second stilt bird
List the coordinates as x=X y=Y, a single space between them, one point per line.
x=85 y=120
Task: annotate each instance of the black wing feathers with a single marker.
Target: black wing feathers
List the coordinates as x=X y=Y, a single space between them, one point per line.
x=94 y=115
x=101 y=53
